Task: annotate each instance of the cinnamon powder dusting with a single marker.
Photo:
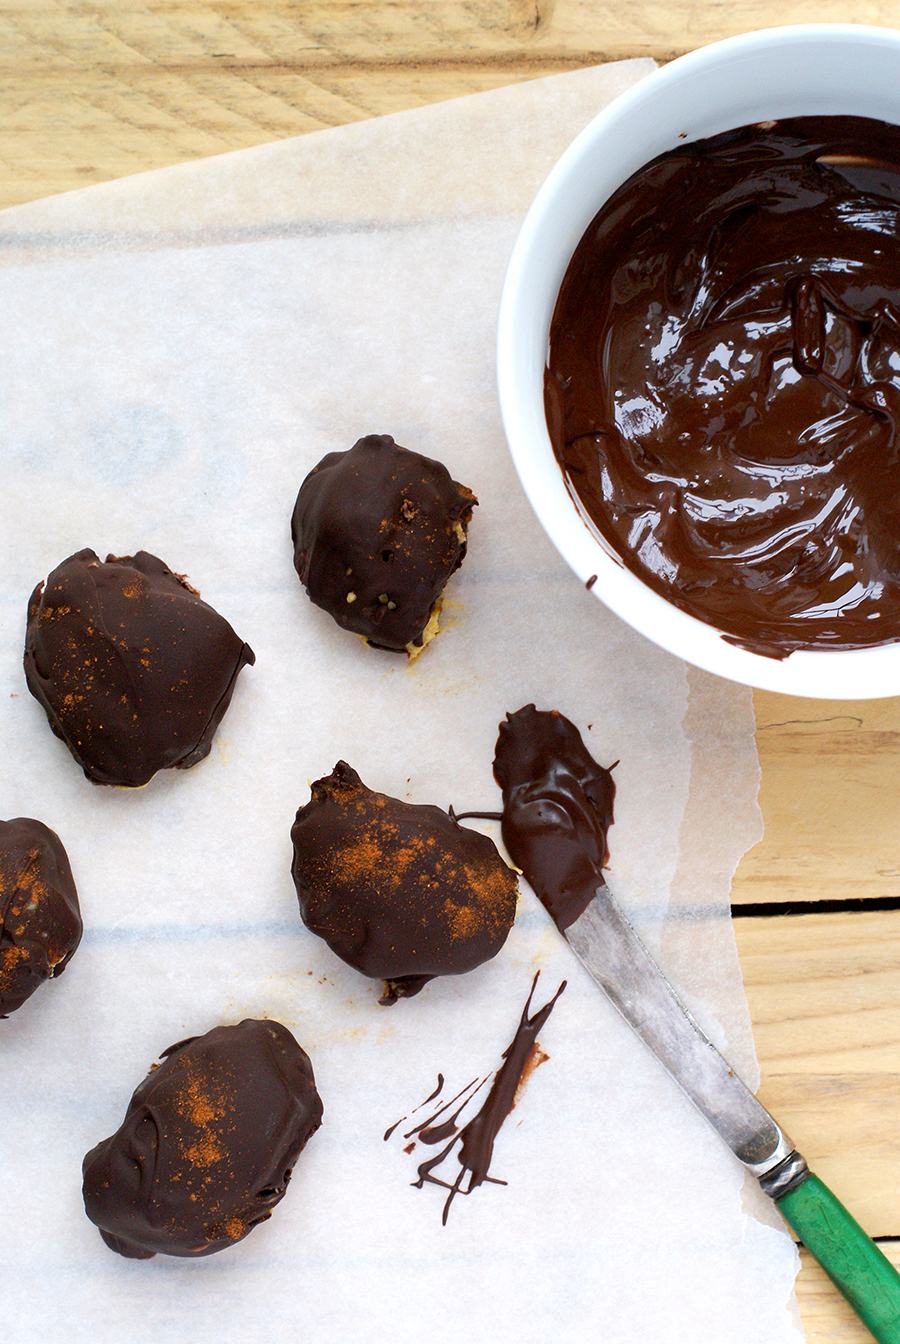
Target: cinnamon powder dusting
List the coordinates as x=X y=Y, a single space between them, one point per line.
x=398 y=890
x=40 y=923
x=215 y=1130
x=9 y=958
x=204 y=1114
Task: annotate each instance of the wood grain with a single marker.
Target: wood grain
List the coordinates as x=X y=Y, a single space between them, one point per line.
x=830 y=800
x=92 y=91
x=827 y=1318
x=824 y=996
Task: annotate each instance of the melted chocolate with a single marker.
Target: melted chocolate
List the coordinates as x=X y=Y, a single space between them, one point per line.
x=557 y=809
x=40 y=919
x=398 y=891
x=207 y=1145
x=477 y=1137
x=431 y=1096
x=723 y=389
x=377 y=532
x=133 y=670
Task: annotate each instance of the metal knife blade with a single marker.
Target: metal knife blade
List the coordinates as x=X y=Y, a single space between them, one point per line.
x=613 y=954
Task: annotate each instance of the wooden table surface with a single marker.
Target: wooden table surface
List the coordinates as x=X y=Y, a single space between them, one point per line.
x=92 y=91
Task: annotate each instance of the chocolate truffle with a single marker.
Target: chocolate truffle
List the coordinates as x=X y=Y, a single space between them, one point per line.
x=377 y=532
x=557 y=809
x=134 y=671
x=40 y=920
x=401 y=892
x=207 y=1145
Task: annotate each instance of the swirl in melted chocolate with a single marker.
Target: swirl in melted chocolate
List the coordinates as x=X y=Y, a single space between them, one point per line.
x=557 y=809
x=723 y=388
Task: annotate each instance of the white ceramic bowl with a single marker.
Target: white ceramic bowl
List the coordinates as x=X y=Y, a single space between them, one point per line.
x=813 y=69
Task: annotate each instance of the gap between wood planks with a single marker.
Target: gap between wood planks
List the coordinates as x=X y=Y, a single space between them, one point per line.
x=833 y=906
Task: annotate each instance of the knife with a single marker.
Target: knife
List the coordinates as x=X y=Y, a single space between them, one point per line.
x=614 y=956
x=557 y=809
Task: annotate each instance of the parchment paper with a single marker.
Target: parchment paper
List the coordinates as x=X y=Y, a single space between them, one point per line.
x=178 y=350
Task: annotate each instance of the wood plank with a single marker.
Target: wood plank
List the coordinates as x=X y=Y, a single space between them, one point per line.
x=824 y=996
x=365 y=30
x=89 y=93
x=829 y=798
x=827 y=1318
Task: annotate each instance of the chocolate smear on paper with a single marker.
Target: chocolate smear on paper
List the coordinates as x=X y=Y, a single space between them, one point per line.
x=476 y=1138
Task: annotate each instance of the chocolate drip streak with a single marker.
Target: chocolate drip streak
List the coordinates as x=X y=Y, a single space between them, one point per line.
x=476 y=1139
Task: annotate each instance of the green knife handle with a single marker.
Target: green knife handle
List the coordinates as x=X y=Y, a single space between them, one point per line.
x=851 y=1260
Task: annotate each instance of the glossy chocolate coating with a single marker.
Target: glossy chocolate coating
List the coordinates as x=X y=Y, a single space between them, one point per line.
x=134 y=671
x=723 y=389
x=397 y=890
x=557 y=809
x=377 y=532
x=40 y=919
x=207 y=1145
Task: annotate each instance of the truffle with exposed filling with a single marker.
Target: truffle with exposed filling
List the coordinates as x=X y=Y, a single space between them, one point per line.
x=207 y=1145
x=40 y=919
x=377 y=532
x=400 y=891
x=133 y=670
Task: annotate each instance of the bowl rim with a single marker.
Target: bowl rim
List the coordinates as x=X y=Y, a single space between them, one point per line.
x=826 y=674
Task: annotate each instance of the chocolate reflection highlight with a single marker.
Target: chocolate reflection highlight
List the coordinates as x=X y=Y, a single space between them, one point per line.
x=723 y=385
